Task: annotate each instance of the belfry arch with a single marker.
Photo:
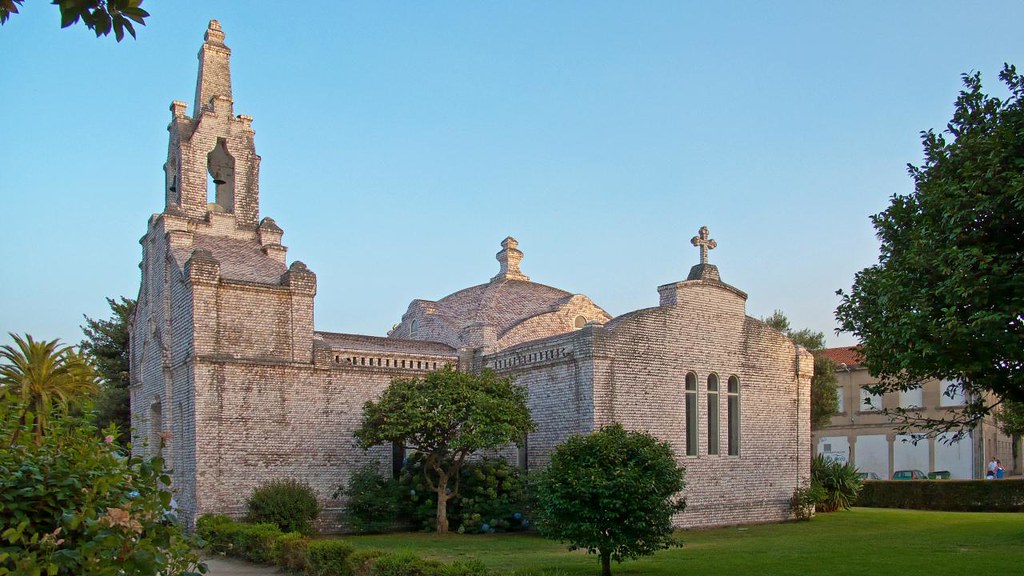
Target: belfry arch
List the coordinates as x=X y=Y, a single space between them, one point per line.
x=220 y=183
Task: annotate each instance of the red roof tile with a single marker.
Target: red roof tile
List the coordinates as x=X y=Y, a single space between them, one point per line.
x=849 y=355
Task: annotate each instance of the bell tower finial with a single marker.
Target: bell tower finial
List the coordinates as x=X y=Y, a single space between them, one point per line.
x=212 y=169
x=214 y=71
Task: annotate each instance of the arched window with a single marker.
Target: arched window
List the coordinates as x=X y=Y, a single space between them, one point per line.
x=414 y=328
x=734 y=415
x=580 y=322
x=691 y=414
x=713 y=414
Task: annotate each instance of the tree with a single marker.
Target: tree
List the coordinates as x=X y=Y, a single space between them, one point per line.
x=46 y=377
x=100 y=16
x=945 y=299
x=824 y=402
x=1010 y=418
x=107 y=342
x=611 y=492
x=446 y=416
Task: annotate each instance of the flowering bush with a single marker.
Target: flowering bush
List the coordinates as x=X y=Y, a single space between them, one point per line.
x=71 y=504
x=491 y=496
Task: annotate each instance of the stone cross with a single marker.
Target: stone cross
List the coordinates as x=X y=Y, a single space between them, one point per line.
x=701 y=241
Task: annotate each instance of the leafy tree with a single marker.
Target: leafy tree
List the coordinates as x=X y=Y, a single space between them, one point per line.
x=107 y=342
x=945 y=299
x=611 y=492
x=71 y=504
x=1010 y=418
x=446 y=416
x=46 y=377
x=100 y=16
x=823 y=382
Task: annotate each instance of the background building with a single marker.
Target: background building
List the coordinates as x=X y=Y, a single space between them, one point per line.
x=860 y=432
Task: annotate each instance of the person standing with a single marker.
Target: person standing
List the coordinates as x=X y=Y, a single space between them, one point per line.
x=999 y=470
x=992 y=465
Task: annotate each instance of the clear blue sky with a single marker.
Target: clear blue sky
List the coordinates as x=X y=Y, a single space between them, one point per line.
x=401 y=141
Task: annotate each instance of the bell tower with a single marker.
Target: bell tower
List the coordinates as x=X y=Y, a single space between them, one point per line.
x=212 y=165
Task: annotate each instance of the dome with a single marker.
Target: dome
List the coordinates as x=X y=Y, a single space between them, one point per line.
x=508 y=310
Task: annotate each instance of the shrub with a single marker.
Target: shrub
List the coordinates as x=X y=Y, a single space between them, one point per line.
x=290 y=552
x=947 y=495
x=491 y=497
x=405 y=564
x=256 y=542
x=289 y=504
x=804 y=500
x=328 y=558
x=71 y=504
x=216 y=532
x=839 y=482
x=371 y=500
x=361 y=561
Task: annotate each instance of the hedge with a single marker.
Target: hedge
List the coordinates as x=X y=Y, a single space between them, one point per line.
x=946 y=495
x=265 y=543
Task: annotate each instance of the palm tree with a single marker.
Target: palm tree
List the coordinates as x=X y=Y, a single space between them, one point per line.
x=44 y=376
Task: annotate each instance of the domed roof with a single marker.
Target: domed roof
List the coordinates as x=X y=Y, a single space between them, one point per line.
x=507 y=310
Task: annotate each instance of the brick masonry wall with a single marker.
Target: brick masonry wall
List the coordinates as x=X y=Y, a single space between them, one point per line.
x=643 y=359
x=633 y=372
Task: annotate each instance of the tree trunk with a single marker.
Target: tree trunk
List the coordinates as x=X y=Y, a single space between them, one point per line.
x=442 y=503
x=606 y=563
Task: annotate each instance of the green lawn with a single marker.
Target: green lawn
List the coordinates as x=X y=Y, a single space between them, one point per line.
x=859 y=542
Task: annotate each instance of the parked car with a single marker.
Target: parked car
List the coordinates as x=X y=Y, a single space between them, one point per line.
x=939 y=475
x=909 y=475
x=868 y=476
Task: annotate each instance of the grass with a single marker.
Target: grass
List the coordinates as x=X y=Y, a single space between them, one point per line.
x=858 y=542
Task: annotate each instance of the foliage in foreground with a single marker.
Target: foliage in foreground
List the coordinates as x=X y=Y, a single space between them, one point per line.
x=611 y=492
x=71 y=505
x=446 y=416
x=838 y=481
x=100 y=16
x=944 y=301
x=288 y=504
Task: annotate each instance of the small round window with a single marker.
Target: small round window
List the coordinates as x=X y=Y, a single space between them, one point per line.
x=580 y=321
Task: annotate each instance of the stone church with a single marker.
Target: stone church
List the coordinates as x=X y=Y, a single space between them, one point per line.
x=234 y=385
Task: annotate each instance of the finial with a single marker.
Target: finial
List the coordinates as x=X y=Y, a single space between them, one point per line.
x=214 y=81
x=214 y=33
x=701 y=241
x=509 y=258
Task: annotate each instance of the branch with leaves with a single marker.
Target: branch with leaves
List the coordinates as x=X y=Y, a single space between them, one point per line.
x=100 y=16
